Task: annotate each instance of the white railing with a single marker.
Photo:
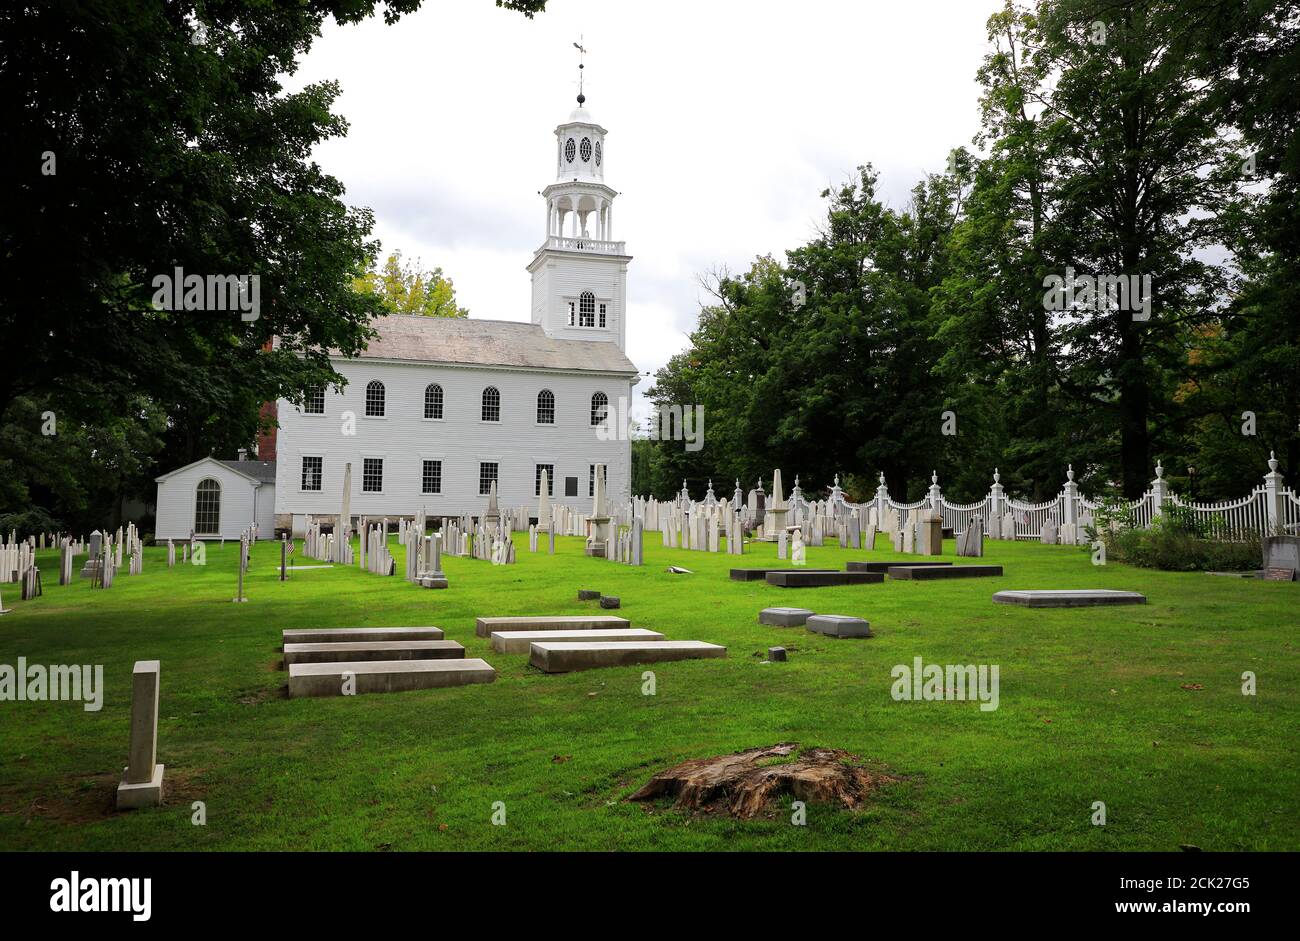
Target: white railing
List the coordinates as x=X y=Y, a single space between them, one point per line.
x=957 y=517
x=1230 y=518
x=1290 y=511
x=1030 y=517
x=584 y=244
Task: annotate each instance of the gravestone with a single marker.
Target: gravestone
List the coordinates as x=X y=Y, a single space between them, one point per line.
x=798 y=554
x=971 y=542
x=588 y=594
x=609 y=602
x=638 y=538
x=142 y=781
x=1048 y=535
x=776 y=654
x=1009 y=526
x=1282 y=553
x=784 y=617
x=838 y=625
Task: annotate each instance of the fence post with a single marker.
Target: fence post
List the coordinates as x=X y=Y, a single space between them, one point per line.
x=1070 y=493
x=1159 y=492
x=1273 y=496
x=936 y=495
x=995 y=507
x=882 y=501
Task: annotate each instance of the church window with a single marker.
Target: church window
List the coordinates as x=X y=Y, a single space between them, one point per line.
x=314 y=404
x=587 y=309
x=550 y=480
x=487 y=473
x=585 y=149
x=491 y=404
x=372 y=475
x=571 y=306
x=375 y=399
x=591 y=478
x=546 y=407
x=207 y=508
x=432 y=477
x=599 y=409
x=311 y=473
x=598 y=153
x=602 y=315
x=433 y=401
x=569 y=150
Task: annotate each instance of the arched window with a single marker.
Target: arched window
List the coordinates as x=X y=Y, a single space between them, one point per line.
x=491 y=404
x=599 y=408
x=433 y=401
x=546 y=407
x=587 y=309
x=375 y=399
x=207 y=508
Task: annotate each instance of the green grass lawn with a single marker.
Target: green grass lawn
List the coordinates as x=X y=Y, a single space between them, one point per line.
x=1092 y=708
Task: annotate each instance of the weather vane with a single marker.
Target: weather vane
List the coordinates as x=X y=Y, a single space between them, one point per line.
x=582 y=52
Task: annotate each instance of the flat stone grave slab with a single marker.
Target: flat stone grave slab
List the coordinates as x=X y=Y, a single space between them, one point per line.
x=838 y=625
x=758 y=575
x=784 y=617
x=567 y=657
x=483 y=627
x=521 y=641
x=386 y=676
x=792 y=578
x=883 y=567
x=933 y=572
x=373 y=650
x=344 y=635
x=1054 y=598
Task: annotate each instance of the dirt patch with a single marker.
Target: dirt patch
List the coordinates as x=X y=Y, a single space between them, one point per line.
x=747 y=784
x=256 y=697
x=93 y=797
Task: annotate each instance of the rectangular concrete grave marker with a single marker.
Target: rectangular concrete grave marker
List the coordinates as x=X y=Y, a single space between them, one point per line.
x=343 y=651
x=521 y=641
x=568 y=657
x=1079 y=598
x=385 y=676
x=345 y=635
x=784 y=617
x=838 y=625
x=483 y=627
x=937 y=572
x=142 y=781
x=758 y=575
x=805 y=579
x=885 y=566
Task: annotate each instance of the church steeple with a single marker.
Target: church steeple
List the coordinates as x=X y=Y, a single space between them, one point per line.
x=579 y=288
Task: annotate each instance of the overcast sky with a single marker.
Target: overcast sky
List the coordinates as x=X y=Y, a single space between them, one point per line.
x=726 y=120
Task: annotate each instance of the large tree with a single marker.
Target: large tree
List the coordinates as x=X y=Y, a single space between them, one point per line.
x=143 y=137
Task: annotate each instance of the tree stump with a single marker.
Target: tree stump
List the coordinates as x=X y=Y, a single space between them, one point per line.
x=747 y=783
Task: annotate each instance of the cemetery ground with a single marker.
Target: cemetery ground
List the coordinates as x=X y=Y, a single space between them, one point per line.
x=1138 y=707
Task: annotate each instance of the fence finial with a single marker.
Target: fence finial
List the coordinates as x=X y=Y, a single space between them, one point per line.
x=997 y=478
x=1272 y=461
x=934 y=476
x=1160 y=471
x=1069 y=473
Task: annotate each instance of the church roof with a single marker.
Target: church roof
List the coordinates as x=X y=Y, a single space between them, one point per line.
x=471 y=342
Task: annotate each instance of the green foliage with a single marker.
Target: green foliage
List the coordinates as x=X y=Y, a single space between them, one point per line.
x=1173 y=549
x=406 y=288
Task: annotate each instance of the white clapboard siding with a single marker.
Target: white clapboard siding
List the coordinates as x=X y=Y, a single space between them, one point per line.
x=404 y=439
x=242 y=502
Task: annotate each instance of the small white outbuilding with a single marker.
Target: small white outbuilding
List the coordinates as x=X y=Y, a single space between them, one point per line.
x=216 y=500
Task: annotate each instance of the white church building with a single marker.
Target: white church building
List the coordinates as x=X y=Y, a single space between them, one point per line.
x=436 y=409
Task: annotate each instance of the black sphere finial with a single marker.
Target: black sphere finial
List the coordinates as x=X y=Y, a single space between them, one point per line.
x=581 y=98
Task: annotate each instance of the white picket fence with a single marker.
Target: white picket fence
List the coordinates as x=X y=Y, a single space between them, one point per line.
x=1270 y=508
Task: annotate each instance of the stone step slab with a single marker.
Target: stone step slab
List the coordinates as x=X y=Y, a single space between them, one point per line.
x=386 y=676
x=373 y=650
x=934 y=572
x=1065 y=598
x=883 y=567
x=567 y=657
x=838 y=625
x=793 y=578
x=483 y=627
x=758 y=575
x=521 y=641
x=784 y=617
x=345 y=635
